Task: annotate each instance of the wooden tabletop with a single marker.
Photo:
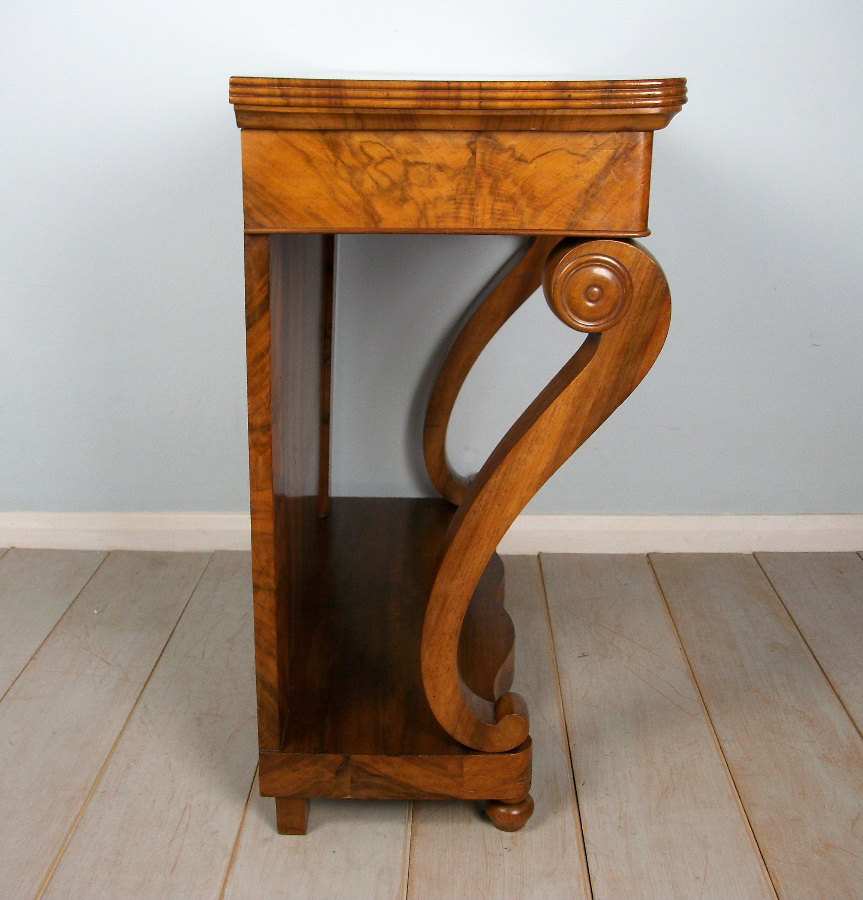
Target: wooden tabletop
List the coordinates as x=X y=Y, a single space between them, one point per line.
x=314 y=104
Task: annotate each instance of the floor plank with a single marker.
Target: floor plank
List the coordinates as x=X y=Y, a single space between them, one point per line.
x=546 y=859
x=660 y=815
x=823 y=592
x=62 y=716
x=178 y=781
x=795 y=755
x=354 y=850
x=36 y=588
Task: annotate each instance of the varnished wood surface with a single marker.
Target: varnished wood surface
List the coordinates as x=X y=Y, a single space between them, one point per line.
x=359 y=724
x=271 y=713
x=461 y=774
x=486 y=649
x=598 y=378
x=299 y=292
x=364 y=591
x=510 y=816
x=292 y=815
x=362 y=849
x=328 y=104
x=286 y=287
x=449 y=182
x=368 y=697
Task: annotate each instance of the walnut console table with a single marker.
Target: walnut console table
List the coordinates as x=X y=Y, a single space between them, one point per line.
x=384 y=654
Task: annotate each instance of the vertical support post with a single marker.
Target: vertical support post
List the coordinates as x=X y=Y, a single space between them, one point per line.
x=271 y=713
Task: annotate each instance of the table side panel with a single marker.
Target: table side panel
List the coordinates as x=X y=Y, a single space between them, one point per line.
x=285 y=296
x=455 y=182
x=257 y=267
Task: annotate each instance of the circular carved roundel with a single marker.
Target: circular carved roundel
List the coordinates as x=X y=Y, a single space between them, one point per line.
x=589 y=292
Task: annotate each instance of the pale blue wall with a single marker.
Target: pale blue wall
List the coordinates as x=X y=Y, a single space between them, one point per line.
x=122 y=380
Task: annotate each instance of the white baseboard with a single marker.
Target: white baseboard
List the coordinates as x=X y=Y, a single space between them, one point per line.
x=126 y=531
x=529 y=534
x=682 y=534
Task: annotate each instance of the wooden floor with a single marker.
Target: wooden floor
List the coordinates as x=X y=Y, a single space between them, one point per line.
x=696 y=723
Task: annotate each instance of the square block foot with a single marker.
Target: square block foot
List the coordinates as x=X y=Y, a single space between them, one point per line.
x=292 y=815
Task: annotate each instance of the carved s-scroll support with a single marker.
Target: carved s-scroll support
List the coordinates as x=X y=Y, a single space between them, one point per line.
x=616 y=292
x=504 y=299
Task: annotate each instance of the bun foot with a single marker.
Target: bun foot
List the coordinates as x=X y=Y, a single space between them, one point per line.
x=509 y=816
x=292 y=815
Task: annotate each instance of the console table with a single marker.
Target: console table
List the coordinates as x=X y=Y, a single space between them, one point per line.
x=384 y=654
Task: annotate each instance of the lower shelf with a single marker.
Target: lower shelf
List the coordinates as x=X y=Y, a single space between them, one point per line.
x=358 y=722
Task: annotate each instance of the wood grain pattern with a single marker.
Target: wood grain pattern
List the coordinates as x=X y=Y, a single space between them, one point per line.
x=36 y=588
x=452 y=182
x=458 y=775
x=285 y=287
x=546 y=859
x=298 y=265
x=341 y=709
x=510 y=817
x=660 y=815
x=400 y=750
x=486 y=649
x=599 y=377
x=177 y=783
x=795 y=756
x=355 y=850
x=270 y=693
x=61 y=717
x=488 y=318
x=292 y=815
x=823 y=592
x=559 y=106
x=359 y=722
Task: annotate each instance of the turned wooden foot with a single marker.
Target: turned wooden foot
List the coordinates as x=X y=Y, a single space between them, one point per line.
x=509 y=816
x=292 y=815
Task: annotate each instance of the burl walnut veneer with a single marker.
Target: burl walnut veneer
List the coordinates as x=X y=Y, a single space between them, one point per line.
x=384 y=654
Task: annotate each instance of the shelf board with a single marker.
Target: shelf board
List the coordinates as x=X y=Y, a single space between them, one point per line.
x=358 y=722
